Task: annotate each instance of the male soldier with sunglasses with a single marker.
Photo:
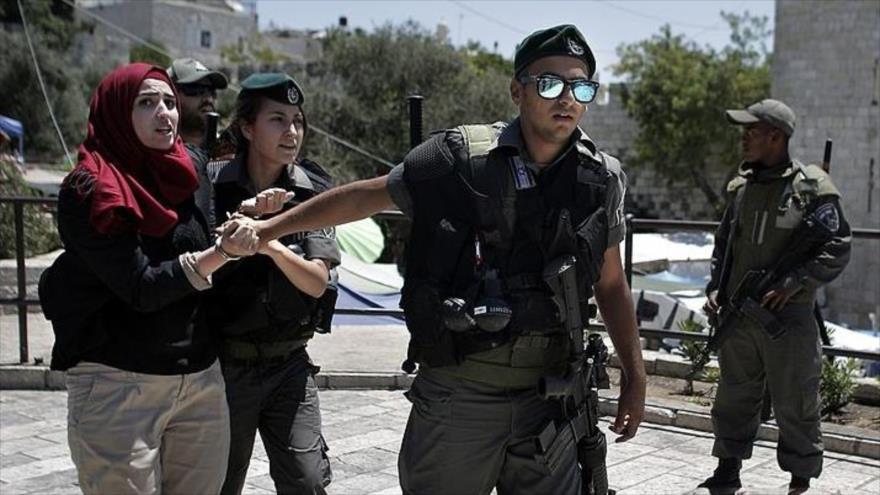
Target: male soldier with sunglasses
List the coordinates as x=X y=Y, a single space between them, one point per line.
x=197 y=90
x=499 y=212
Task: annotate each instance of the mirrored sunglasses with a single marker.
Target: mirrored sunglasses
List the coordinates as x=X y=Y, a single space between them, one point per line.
x=551 y=87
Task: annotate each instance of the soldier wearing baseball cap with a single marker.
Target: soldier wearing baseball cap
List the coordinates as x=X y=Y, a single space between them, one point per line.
x=771 y=198
x=197 y=88
x=773 y=112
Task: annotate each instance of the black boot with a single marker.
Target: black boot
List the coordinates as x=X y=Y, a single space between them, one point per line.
x=726 y=477
x=798 y=485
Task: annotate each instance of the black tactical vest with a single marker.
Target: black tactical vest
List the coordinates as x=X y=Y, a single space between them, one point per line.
x=476 y=210
x=252 y=299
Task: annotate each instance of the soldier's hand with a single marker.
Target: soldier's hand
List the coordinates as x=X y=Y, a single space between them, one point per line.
x=711 y=306
x=266 y=202
x=238 y=237
x=778 y=296
x=630 y=408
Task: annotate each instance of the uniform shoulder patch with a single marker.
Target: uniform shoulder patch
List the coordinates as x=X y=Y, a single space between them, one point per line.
x=827 y=215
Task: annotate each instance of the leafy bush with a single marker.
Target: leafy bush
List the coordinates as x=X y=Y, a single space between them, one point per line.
x=40 y=234
x=837 y=385
x=695 y=352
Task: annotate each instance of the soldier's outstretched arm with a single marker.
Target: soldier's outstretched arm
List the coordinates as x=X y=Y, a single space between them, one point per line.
x=615 y=302
x=353 y=201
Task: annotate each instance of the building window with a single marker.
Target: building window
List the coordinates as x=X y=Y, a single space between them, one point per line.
x=206 y=39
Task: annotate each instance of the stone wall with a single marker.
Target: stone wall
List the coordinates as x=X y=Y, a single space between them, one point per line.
x=825 y=66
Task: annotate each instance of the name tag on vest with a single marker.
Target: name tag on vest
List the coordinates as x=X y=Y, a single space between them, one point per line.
x=522 y=176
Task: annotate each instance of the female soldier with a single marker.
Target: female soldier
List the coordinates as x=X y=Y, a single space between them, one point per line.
x=266 y=308
x=146 y=408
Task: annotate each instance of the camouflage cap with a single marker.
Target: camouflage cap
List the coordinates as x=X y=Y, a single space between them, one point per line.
x=191 y=71
x=773 y=112
x=274 y=85
x=563 y=40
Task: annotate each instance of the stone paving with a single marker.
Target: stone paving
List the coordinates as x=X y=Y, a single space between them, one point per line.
x=363 y=429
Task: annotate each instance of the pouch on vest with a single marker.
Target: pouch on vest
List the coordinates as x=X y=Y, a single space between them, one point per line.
x=430 y=341
x=592 y=237
x=322 y=316
x=451 y=238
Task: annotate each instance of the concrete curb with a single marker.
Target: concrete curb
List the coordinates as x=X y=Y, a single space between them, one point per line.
x=19 y=377
x=701 y=421
x=674 y=366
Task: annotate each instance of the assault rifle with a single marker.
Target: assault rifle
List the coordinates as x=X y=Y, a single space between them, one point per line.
x=577 y=390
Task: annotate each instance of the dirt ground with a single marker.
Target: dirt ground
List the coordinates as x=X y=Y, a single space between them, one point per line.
x=669 y=391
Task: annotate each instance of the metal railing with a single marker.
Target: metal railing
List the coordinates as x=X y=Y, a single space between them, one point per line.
x=21 y=301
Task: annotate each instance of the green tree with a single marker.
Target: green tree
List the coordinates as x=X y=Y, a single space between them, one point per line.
x=358 y=92
x=677 y=91
x=52 y=29
x=53 y=18
x=64 y=86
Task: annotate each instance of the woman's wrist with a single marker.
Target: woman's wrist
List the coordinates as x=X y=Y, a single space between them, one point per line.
x=218 y=248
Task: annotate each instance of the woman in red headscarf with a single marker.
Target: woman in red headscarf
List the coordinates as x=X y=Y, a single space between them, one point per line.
x=146 y=406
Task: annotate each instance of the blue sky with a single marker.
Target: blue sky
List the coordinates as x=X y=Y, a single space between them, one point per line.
x=606 y=24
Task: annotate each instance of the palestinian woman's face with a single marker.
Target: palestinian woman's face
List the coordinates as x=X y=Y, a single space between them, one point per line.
x=154 y=115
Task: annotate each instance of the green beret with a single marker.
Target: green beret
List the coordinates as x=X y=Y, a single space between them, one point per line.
x=274 y=85
x=559 y=40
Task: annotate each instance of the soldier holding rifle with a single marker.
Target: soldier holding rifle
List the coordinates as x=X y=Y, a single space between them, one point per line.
x=514 y=227
x=782 y=236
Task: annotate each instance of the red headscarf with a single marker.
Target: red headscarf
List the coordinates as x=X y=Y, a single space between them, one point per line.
x=133 y=183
